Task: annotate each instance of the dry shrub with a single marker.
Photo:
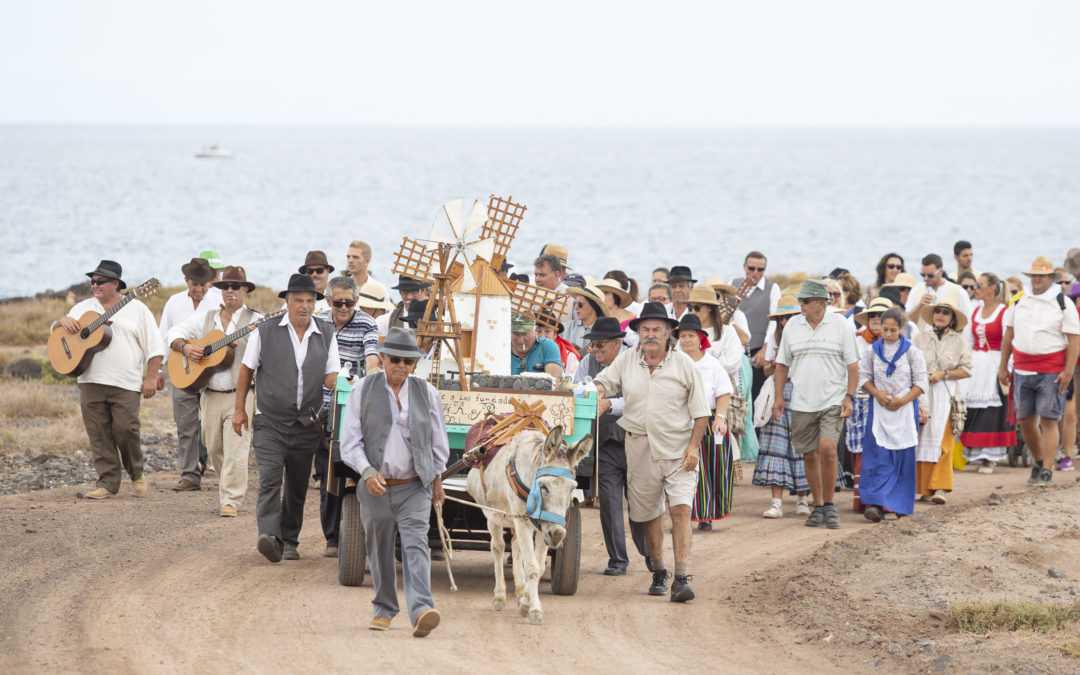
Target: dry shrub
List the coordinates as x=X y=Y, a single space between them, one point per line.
x=983 y=617
x=25 y=323
x=60 y=436
x=26 y=400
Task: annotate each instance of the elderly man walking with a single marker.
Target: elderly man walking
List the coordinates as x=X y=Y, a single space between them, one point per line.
x=664 y=417
x=1041 y=336
x=605 y=343
x=291 y=361
x=394 y=437
x=817 y=351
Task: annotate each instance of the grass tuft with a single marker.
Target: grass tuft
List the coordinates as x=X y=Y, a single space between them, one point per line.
x=26 y=322
x=26 y=400
x=983 y=617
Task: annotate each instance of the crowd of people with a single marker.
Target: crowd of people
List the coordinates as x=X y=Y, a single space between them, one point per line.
x=817 y=383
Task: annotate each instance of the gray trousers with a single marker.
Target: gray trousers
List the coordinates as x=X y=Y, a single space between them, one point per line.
x=404 y=509
x=283 y=455
x=612 y=484
x=185 y=407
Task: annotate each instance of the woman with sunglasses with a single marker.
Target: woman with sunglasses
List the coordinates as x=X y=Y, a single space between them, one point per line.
x=969 y=283
x=779 y=467
x=588 y=307
x=987 y=433
x=948 y=358
x=887 y=268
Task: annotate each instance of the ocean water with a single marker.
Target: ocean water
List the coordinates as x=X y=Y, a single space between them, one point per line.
x=627 y=198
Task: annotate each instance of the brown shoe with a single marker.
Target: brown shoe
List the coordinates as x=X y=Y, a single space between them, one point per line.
x=98 y=493
x=380 y=623
x=427 y=622
x=228 y=511
x=139 y=487
x=186 y=485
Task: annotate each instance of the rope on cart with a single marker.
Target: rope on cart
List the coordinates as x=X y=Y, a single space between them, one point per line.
x=447 y=545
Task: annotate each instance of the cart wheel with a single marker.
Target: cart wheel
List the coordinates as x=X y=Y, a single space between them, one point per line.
x=566 y=564
x=352 y=547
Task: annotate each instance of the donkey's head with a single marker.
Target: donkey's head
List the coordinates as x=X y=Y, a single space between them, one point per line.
x=556 y=492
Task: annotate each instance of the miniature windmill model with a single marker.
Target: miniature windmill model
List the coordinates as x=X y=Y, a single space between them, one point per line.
x=543 y=305
x=503 y=220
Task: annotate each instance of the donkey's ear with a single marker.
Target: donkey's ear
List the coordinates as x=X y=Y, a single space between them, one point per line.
x=580 y=450
x=553 y=442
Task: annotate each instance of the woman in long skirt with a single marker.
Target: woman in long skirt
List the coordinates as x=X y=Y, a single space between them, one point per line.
x=948 y=359
x=987 y=433
x=716 y=477
x=893 y=372
x=778 y=466
x=870 y=322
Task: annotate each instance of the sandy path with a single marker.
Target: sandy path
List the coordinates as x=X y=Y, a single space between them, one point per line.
x=163 y=585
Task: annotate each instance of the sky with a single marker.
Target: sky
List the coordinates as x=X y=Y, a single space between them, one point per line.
x=578 y=63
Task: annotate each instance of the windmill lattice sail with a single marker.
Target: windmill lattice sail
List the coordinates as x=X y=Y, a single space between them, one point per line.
x=504 y=217
x=541 y=304
x=414 y=259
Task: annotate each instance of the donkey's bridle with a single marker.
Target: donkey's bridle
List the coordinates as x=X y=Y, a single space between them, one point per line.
x=534 y=503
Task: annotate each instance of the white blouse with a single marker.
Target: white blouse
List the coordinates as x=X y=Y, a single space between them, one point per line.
x=715 y=378
x=895 y=429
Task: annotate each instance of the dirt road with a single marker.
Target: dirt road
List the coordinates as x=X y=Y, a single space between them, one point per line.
x=164 y=585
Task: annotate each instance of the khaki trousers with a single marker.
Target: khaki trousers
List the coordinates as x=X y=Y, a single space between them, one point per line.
x=227 y=450
x=111 y=417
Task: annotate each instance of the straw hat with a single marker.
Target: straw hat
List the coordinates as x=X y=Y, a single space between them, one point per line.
x=902 y=280
x=946 y=300
x=613 y=286
x=1041 y=266
x=590 y=292
x=372 y=296
x=878 y=306
x=720 y=286
x=703 y=294
x=559 y=251
x=787 y=305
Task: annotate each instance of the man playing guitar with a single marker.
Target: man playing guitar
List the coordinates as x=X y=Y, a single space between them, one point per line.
x=228 y=451
x=110 y=387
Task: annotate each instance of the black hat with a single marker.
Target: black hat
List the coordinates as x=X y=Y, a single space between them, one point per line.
x=198 y=270
x=111 y=270
x=681 y=273
x=689 y=321
x=315 y=259
x=654 y=311
x=605 y=328
x=408 y=284
x=417 y=308
x=301 y=283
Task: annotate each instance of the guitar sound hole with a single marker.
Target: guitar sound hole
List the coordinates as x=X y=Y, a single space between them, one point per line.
x=84 y=333
x=208 y=350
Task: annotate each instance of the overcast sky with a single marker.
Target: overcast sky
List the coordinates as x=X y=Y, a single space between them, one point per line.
x=582 y=62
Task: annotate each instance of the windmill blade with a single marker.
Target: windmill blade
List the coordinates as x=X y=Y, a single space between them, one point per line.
x=449 y=224
x=483 y=248
x=474 y=225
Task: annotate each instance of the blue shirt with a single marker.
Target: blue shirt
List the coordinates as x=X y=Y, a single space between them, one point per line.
x=545 y=351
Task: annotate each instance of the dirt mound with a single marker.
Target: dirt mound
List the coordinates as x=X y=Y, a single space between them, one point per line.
x=891 y=596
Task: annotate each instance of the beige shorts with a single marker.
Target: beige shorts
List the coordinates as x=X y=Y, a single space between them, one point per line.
x=808 y=428
x=651 y=481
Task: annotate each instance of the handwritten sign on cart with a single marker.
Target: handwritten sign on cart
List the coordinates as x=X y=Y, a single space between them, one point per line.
x=469 y=407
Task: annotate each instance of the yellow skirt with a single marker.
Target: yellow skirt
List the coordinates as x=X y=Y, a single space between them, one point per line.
x=931 y=476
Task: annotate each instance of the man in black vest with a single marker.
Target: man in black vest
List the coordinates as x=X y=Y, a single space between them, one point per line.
x=393 y=435
x=605 y=344
x=759 y=297
x=294 y=359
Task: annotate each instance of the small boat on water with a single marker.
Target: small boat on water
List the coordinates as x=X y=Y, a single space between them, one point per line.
x=214 y=151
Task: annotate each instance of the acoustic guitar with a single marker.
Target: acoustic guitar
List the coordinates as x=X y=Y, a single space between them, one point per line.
x=71 y=353
x=218 y=351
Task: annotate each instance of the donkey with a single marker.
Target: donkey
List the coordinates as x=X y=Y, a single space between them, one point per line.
x=532 y=479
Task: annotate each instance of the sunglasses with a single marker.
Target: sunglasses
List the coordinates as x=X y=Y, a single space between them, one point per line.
x=344 y=303
x=1065 y=282
x=750 y=268
x=397 y=361
x=894 y=267
x=929 y=276
x=694 y=308
x=316 y=270
x=100 y=281
x=834 y=294
x=943 y=310
x=969 y=287
x=231 y=287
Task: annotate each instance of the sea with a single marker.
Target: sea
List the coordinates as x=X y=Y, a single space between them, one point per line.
x=632 y=199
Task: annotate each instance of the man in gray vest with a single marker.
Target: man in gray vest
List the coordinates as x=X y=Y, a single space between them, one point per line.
x=293 y=359
x=393 y=435
x=605 y=343
x=758 y=299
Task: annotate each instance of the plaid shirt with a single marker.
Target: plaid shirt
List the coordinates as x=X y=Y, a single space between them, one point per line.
x=356 y=340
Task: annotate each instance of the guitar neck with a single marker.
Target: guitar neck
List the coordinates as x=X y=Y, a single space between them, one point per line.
x=109 y=313
x=243 y=332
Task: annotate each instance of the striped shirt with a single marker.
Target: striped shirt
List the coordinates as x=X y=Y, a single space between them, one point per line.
x=356 y=340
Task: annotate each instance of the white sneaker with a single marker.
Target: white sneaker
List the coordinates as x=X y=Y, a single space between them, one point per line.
x=938 y=497
x=802 y=507
x=775 y=510
x=986 y=468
